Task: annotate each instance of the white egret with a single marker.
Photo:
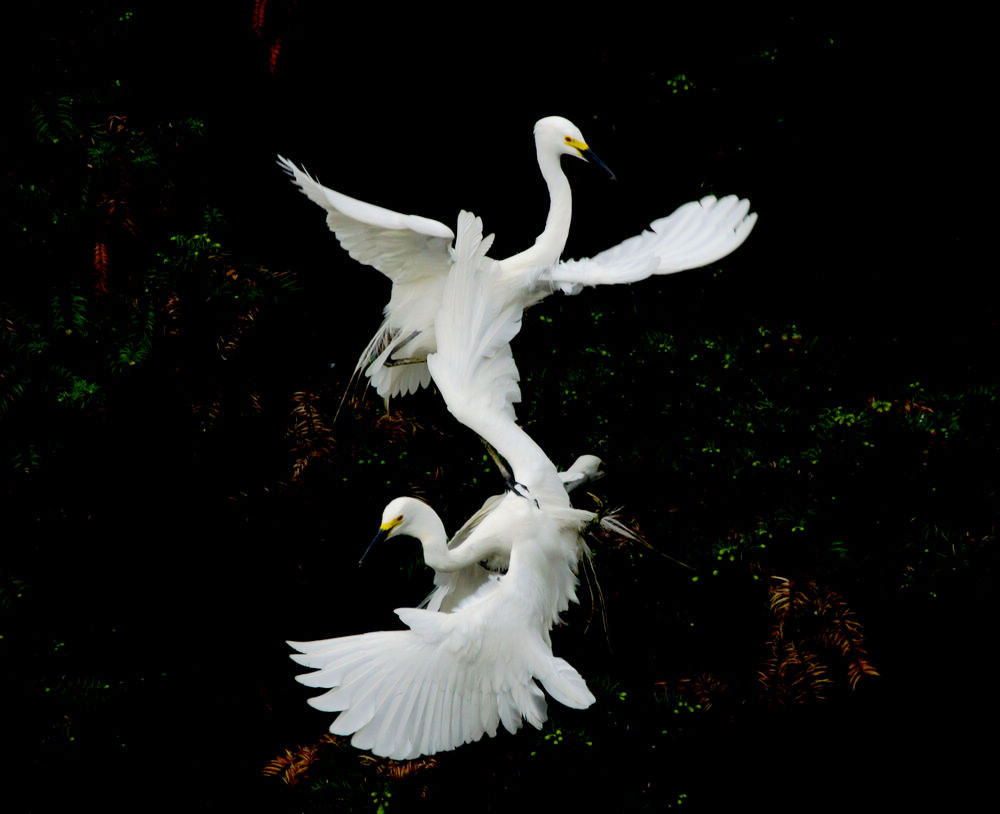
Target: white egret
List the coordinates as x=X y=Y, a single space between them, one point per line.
x=452 y=586
x=452 y=677
x=457 y=579
x=415 y=254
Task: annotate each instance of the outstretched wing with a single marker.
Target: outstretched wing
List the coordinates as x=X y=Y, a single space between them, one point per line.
x=403 y=247
x=694 y=235
x=448 y=680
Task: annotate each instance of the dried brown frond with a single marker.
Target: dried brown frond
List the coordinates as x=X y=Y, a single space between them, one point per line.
x=293 y=765
x=705 y=688
x=272 y=57
x=108 y=204
x=843 y=632
x=116 y=209
x=226 y=345
x=117 y=122
x=172 y=315
x=102 y=267
x=207 y=413
x=793 y=674
x=859 y=668
x=812 y=626
x=257 y=19
x=281 y=276
x=398 y=769
x=312 y=438
x=395 y=428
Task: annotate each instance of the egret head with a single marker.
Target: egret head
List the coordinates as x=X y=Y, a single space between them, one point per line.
x=585 y=469
x=559 y=136
x=590 y=466
x=404 y=516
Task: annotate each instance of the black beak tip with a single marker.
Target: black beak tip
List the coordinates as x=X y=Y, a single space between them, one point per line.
x=382 y=534
x=593 y=159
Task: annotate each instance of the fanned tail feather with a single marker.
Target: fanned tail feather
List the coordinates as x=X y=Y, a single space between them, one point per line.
x=478 y=318
x=473 y=367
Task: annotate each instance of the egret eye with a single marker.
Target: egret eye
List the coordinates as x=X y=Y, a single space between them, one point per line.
x=398 y=519
x=567 y=139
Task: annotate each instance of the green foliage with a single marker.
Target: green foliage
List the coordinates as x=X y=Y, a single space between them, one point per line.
x=680 y=83
x=52 y=118
x=759 y=421
x=74 y=332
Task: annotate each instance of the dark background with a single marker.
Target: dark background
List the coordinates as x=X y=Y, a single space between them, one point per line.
x=170 y=560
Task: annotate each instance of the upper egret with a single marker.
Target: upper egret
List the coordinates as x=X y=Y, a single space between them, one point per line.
x=452 y=677
x=415 y=254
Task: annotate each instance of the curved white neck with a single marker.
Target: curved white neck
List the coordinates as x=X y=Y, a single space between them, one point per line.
x=438 y=556
x=424 y=524
x=550 y=243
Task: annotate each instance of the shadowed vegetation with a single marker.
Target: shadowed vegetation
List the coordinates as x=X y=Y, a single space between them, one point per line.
x=802 y=437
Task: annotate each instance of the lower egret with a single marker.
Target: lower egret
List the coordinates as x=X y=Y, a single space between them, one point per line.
x=415 y=254
x=452 y=677
x=452 y=586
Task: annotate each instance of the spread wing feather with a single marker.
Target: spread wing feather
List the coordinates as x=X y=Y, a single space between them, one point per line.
x=402 y=247
x=448 y=680
x=694 y=235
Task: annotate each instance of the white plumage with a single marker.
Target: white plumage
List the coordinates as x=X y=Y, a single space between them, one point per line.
x=453 y=677
x=415 y=254
x=475 y=656
x=451 y=587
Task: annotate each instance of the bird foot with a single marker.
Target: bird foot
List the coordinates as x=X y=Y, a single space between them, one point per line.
x=409 y=360
x=521 y=490
x=413 y=360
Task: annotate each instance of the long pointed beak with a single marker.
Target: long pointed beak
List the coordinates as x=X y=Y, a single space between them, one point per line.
x=382 y=534
x=593 y=159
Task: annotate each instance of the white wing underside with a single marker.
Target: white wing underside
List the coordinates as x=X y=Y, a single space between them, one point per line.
x=413 y=252
x=398 y=245
x=447 y=681
x=694 y=235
